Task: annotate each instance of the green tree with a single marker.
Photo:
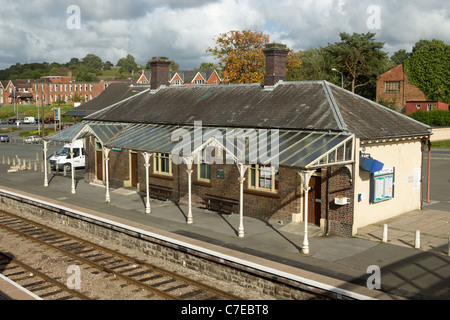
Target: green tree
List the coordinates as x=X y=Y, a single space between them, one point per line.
x=92 y=62
x=127 y=64
x=400 y=57
x=428 y=68
x=359 y=57
x=317 y=64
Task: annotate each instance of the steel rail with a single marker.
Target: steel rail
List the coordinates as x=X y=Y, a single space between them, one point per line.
x=45 y=277
x=127 y=258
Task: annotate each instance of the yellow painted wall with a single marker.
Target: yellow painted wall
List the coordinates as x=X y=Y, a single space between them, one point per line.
x=406 y=158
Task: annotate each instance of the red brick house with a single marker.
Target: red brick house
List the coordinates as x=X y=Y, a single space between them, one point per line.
x=186 y=77
x=18 y=91
x=54 y=88
x=189 y=77
x=413 y=106
x=393 y=86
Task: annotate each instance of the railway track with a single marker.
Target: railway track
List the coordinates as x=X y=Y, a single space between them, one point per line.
x=158 y=282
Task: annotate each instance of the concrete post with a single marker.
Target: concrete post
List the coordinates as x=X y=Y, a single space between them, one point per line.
x=417 y=240
x=448 y=247
x=385 y=233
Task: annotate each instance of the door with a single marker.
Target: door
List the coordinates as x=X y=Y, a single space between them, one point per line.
x=99 y=165
x=314 y=200
x=134 y=169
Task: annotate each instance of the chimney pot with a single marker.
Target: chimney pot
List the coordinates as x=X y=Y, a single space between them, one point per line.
x=160 y=72
x=276 y=54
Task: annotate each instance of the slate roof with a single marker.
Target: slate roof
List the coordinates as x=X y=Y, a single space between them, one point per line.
x=314 y=106
x=114 y=93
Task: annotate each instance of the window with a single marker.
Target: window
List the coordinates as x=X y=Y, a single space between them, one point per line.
x=204 y=169
x=176 y=82
x=162 y=164
x=263 y=178
x=431 y=107
x=392 y=86
x=199 y=82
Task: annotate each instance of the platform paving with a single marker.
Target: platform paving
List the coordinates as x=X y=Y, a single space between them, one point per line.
x=405 y=271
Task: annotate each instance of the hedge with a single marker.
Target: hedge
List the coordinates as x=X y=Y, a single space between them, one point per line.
x=436 y=118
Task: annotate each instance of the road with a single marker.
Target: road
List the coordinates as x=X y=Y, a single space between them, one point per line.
x=439 y=180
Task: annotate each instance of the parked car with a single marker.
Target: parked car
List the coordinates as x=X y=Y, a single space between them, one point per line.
x=4 y=138
x=49 y=120
x=12 y=121
x=32 y=139
x=3 y=121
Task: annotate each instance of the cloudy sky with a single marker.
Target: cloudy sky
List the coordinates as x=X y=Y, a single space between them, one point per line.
x=57 y=30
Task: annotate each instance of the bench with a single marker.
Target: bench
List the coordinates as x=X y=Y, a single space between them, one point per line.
x=160 y=193
x=221 y=204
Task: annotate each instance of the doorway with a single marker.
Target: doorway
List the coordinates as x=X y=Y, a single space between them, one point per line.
x=314 y=201
x=134 y=169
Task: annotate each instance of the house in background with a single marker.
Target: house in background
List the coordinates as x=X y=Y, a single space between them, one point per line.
x=413 y=106
x=3 y=85
x=186 y=77
x=18 y=91
x=393 y=87
x=144 y=78
x=190 y=77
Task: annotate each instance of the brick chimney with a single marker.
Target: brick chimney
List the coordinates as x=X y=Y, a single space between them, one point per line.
x=160 y=72
x=276 y=55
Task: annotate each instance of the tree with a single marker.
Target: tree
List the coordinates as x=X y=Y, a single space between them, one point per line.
x=240 y=55
x=107 y=65
x=317 y=64
x=207 y=66
x=400 y=56
x=127 y=64
x=294 y=66
x=92 y=62
x=360 y=56
x=428 y=68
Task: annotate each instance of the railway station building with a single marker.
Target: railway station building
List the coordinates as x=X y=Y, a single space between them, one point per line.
x=280 y=151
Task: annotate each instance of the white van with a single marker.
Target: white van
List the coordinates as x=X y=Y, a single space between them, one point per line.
x=62 y=158
x=29 y=120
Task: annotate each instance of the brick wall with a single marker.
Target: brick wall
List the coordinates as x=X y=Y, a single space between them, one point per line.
x=339 y=184
x=408 y=92
x=263 y=205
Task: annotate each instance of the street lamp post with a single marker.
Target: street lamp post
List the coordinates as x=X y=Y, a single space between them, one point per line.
x=342 y=76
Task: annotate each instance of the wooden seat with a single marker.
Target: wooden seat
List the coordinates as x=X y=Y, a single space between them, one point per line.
x=159 y=192
x=221 y=204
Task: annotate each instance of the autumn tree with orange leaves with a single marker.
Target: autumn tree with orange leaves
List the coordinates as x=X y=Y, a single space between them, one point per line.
x=240 y=55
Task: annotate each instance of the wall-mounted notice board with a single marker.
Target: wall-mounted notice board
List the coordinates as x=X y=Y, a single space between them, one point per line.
x=382 y=185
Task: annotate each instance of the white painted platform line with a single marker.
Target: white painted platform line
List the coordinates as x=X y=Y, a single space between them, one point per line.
x=279 y=273
x=31 y=294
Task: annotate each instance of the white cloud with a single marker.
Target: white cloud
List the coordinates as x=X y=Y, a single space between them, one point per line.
x=36 y=31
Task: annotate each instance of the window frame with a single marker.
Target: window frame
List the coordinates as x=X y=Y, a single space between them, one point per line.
x=254 y=184
x=157 y=164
